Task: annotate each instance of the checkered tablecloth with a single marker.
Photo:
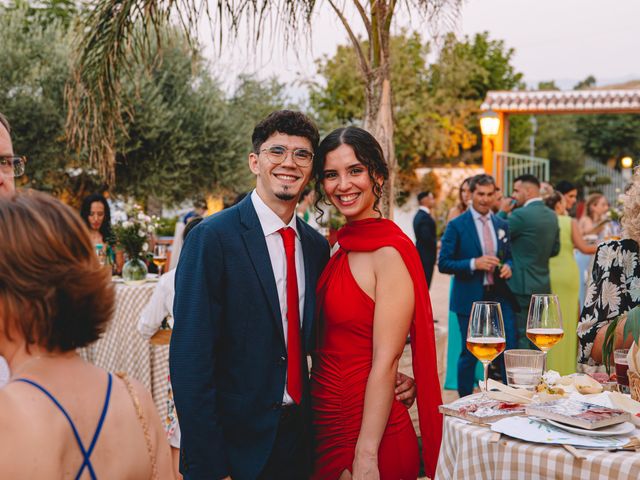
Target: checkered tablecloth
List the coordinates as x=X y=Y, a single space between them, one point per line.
x=467 y=453
x=122 y=348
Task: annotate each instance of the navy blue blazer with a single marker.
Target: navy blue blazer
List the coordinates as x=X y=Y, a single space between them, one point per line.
x=459 y=244
x=228 y=358
x=424 y=227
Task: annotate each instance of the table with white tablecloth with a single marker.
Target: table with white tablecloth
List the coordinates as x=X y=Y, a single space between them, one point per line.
x=467 y=452
x=122 y=348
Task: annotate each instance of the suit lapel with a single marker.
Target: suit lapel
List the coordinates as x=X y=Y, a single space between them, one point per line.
x=309 y=282
x=474 y=231
x=256 y=245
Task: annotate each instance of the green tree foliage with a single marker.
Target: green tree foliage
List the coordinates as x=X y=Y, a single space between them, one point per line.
x=183 y=138
x=435 y=105
x=179 y=143
x=33 y=72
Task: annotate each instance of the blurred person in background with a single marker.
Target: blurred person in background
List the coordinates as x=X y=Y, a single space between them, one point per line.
x=569 y=193
x=535 y=237
x=565 y=279
x=591 y=226
x=497 y=200
x=60 y=414
x=453 y=329
x=96 y=214
x=424 y=227
x=11 y=165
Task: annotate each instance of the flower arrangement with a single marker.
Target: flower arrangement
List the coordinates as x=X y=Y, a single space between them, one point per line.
x=132 y=234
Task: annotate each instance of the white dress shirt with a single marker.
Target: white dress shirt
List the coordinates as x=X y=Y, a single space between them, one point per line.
x=271 y=223
x=531 y=200
x=477 y=221
x=424 y=209
x=159 y=307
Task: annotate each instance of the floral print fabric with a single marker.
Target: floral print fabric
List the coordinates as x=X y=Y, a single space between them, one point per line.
x=613 y=289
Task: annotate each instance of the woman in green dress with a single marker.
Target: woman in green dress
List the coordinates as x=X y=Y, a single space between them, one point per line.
x=565 y=283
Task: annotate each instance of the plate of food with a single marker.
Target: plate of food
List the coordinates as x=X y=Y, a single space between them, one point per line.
x=618 y=429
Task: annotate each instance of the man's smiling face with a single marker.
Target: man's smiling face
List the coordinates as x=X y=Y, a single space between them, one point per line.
x=285 y=181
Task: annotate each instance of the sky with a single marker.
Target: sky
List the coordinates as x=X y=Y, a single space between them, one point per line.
x=561 y=40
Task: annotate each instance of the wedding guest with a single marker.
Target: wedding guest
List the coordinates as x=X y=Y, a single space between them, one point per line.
x=534 y=238
x=453 y=328
x=614 y=284
x=497 y=200
x=464 y=197
x=60 y=414
x=569 y=193
x=370 y=295
x=11 y=165
x=591 y=225
x=96 y=214
x=476 y=250
x=565 y=279
x=424 y=227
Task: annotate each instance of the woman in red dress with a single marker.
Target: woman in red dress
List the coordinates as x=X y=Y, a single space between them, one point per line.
x=371 y=295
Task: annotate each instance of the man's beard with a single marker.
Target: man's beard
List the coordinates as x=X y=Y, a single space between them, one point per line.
x=285 y=196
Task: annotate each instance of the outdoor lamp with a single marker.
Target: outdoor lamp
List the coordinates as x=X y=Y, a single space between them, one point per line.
x=489 y=123
x=626 y=162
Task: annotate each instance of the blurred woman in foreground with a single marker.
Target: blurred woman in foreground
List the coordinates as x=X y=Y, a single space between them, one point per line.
x=63 y=417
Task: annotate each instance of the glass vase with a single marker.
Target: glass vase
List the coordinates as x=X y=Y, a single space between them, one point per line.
x=134 y=271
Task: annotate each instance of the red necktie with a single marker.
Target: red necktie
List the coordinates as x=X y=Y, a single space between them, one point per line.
x=294 y=353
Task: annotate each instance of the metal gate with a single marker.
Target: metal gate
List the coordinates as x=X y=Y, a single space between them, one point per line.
x=511 y=165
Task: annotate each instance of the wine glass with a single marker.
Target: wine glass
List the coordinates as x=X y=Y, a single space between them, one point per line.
x=160 y=257
x=544 y=322
x=485 y=335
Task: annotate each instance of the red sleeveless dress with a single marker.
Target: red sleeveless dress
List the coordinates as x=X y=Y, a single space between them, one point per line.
x=342 y=362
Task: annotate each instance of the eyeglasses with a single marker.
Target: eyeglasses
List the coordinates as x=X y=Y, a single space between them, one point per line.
x=277 y=154
x=12 y=165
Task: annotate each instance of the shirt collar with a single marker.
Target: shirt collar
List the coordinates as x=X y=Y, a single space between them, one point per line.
x=424 y=209
x=477 y=215
x=269 y=220
x=531 y=200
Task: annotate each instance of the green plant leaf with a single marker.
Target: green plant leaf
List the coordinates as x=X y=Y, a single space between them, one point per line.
x=608 y=344
x=632 y=326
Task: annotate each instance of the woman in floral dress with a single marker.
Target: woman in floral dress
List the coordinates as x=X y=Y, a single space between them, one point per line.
x=614 y=285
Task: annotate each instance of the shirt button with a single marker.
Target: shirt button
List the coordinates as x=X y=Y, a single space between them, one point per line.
x=282 y=360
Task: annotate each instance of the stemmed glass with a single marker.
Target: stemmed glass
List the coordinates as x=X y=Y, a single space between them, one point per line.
x=160 y=257
x=544 y=322
x=485 y=335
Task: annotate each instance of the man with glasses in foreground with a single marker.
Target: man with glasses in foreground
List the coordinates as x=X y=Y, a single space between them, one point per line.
x=244 y=308
x=10 y=165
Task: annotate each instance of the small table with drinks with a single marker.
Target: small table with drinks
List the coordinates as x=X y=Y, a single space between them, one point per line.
x=541 y=425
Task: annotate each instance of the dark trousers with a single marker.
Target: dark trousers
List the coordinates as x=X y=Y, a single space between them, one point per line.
x=290 y=457
x=467 y=362
x=521 y=322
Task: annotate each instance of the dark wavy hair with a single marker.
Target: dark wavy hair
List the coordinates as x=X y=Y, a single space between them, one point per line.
x=85 y=211
x=287 y=122
x=367 y=150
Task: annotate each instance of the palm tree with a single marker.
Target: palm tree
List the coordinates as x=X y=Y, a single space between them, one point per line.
x=117 y=32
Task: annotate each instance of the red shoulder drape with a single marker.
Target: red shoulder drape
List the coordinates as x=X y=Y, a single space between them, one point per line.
x=372 y=234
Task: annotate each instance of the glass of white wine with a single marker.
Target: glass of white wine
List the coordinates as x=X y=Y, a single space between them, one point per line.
x=160 y=257
x=544 y=322
x=485 y=335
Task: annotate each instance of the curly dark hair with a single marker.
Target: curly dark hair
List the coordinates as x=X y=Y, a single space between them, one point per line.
x=366 y=149
x=287 y=122
x=53 y=291
x=85 y=211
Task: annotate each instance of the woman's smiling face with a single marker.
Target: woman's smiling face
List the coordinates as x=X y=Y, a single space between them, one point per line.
x=347 y=184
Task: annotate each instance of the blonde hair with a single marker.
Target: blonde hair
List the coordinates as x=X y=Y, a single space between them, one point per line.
x=590 y=202
x=630 y=220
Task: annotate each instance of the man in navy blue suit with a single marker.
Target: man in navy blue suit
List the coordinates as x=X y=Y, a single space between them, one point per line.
x=243 y=309
x=424 y=227
x=476 y=249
